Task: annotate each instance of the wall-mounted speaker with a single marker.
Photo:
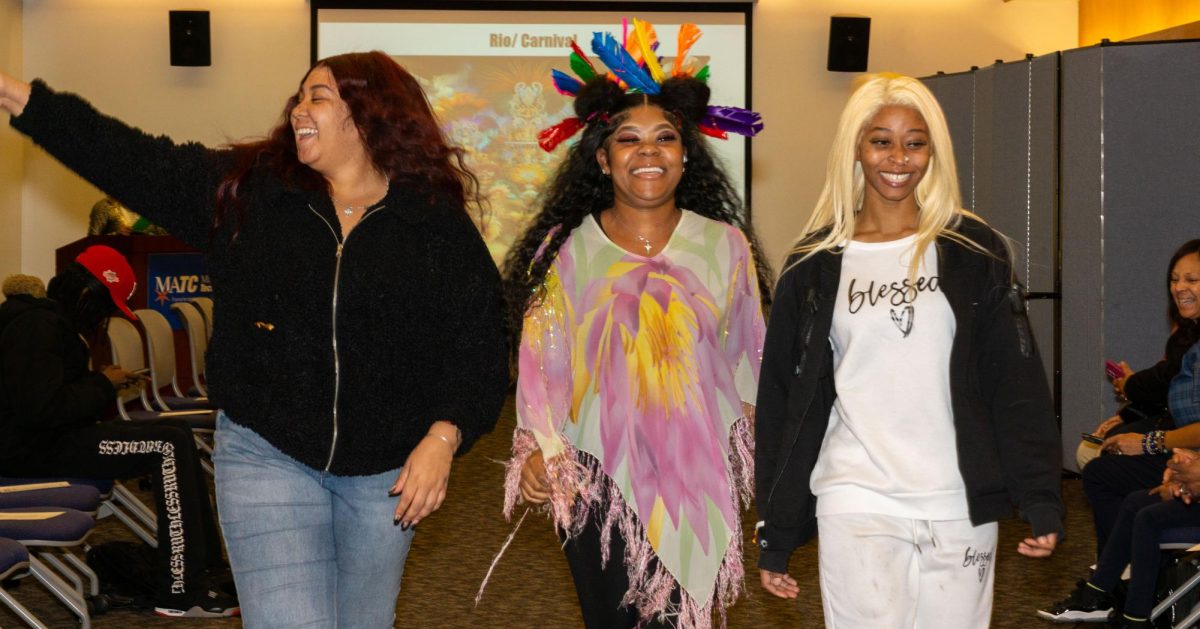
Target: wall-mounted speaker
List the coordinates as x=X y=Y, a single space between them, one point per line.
x=849 y=39
x=190 y=43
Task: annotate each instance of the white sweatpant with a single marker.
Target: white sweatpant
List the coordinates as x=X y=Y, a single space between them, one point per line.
x=887 y=572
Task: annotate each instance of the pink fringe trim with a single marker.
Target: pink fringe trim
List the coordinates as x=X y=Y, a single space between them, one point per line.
x=580 y=486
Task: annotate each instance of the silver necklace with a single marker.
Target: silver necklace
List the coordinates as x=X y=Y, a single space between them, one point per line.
x=646 y=244
x=349 y=209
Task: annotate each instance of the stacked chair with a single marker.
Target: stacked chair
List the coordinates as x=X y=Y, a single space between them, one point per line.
x=197 y=333
x=129 y=352
x=205 y=306
x=14 y=563
x=50 y=522
x=1179 y=540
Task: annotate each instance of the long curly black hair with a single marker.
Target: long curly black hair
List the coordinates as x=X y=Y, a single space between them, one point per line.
x=579 y=188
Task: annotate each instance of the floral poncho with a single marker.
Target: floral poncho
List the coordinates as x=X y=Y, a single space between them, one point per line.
x=633 y=373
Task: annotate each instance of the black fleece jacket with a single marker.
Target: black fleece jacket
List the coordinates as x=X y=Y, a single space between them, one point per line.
x=46 y=386
x=1008 y=443
x=418 y=321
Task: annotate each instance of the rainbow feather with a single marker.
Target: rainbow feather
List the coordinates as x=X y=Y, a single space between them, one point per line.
x=702 y=75
x=551 y=137
x=622 y=64
x=645 y=38
x=566 y=84
x=581 y=65
x=734 y=120
x=688 y=35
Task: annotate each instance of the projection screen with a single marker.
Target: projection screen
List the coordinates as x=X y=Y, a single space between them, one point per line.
x=486 y=71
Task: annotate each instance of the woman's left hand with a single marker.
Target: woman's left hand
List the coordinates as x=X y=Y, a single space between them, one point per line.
x=422 y=482
x=1041 y=546
x=1126 y=443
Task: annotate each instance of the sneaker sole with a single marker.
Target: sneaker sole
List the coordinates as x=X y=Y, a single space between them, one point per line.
x=1100 y=615
x=196 y=612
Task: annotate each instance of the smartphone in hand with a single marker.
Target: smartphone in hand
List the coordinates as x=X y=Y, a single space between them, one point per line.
x=1113 y=370
x=1090 y=438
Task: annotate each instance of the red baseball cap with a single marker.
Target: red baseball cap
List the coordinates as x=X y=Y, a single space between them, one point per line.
x=112 y=269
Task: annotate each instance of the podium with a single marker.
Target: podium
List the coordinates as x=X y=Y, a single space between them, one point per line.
x=167 y=270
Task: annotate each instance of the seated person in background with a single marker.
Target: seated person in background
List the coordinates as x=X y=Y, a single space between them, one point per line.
x=1144 y=515
x=1108 y=479
x=19 y=284
x=110 y=218
x=52 y=404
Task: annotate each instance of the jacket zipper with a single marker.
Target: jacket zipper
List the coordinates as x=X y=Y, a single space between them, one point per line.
x=811 y=299
x=1022 y=319
x=337 y=274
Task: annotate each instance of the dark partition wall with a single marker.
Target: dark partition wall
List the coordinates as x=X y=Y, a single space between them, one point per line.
x=1120 y=122
x=956 y=95
x=1004 y=124
x=1130 y=190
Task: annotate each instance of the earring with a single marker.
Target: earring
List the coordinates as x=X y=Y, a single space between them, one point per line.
x=685 y=159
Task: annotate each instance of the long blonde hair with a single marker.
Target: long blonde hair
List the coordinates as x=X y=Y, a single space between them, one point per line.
x=938 y=199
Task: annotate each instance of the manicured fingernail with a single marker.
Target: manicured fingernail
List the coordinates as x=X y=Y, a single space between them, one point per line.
x=393 y=492
x=396 y=521
x=405 y=526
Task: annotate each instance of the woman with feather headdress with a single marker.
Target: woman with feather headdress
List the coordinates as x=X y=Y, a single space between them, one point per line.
x=637 y=296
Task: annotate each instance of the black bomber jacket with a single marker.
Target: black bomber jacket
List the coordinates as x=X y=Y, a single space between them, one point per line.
x=341 y=353
x=1009 y=448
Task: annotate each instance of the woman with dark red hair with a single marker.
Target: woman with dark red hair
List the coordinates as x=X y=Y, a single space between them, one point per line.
x=358 y=341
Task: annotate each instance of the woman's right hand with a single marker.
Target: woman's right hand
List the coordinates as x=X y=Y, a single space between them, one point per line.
x=1126 y=443
x=14 y=94
x=1119 y=382
x=120 y=378
x=535 y=484
x=1107 y=425
x=780 y=584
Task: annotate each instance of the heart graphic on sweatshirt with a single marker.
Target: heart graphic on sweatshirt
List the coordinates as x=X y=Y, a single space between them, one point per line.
x=903 y=319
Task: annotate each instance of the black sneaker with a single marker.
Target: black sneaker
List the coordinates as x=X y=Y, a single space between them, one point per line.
x=1084 y=604
x=205 y=604
x=1125 y=622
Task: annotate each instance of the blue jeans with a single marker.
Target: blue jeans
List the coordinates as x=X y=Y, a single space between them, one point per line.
x=307 y=548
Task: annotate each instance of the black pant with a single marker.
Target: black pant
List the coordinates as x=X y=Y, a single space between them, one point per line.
x=1134 y=541
x=1109 y=478
x=601 y=588
x=188 y=542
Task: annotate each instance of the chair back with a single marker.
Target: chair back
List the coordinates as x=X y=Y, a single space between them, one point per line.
x=205 y=304
x=193 y=323
x=160 y=350
x=127 y=351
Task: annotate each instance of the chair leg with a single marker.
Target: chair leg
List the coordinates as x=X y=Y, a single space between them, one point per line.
x=81 y=566
x=20 y=610
x=1176 y=595
x=1189 y=620
x=133 y=525
x=61 y=590
x=126 y=498
x=52 y=559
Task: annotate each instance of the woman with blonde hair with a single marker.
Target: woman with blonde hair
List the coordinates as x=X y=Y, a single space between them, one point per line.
x=902 y=407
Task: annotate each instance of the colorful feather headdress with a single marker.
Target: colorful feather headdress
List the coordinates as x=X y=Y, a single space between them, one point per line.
x=634 y=64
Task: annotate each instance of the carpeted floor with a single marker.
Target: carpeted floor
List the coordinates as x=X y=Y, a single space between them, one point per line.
x=532 y=587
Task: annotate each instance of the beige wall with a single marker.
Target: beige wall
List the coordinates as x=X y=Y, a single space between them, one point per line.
x=1119 y=20
x=115 y=52
x=11 y=149
x=801 y=102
